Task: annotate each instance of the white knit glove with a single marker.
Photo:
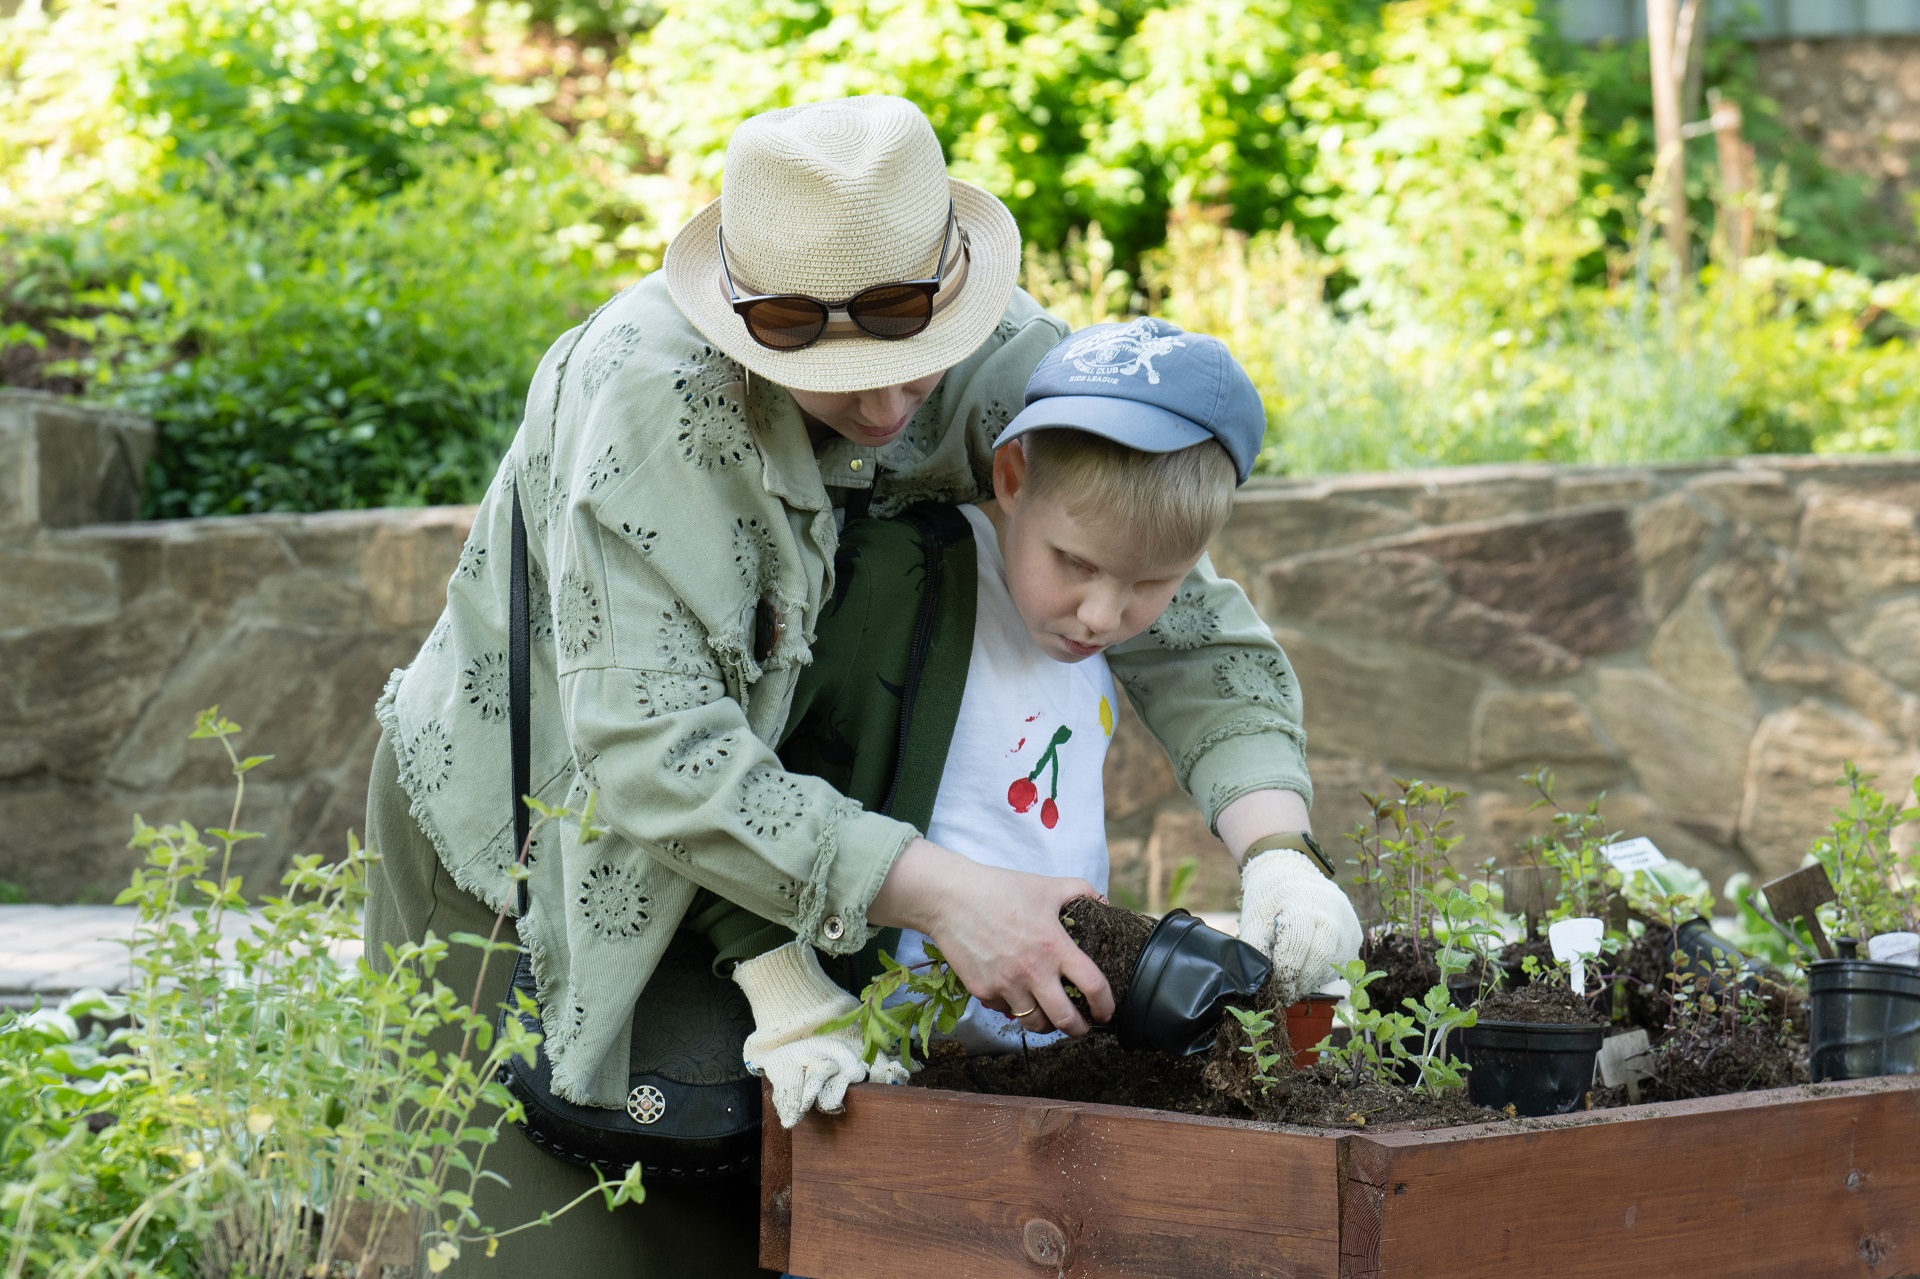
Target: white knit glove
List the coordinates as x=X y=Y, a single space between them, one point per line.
x=791 y=999
x=1298 y=918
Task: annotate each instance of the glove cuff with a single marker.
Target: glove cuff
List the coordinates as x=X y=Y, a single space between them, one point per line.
x=1276 y=863
x=790 y=994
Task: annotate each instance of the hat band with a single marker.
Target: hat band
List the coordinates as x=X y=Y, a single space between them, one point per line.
x=949 y=291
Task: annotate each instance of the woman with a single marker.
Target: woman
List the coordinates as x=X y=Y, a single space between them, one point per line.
x=685 y=461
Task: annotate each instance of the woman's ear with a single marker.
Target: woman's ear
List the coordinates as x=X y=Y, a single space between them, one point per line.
x=1010 y=473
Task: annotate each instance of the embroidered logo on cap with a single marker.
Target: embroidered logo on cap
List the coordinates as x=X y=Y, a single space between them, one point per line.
x=1124 y=351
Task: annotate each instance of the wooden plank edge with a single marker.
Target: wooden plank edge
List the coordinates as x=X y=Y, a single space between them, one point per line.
x=776 y=1185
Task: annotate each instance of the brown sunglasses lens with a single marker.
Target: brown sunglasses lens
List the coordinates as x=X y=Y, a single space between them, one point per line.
x=892 y=310
x=786 y=323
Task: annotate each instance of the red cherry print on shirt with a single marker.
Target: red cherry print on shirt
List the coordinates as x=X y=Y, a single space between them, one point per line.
x=1049 y=814
x=1022 y=794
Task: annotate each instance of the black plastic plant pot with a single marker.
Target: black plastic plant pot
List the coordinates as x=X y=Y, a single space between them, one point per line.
x=1864 y=1019
x=1536 y=1069
x=1708 y=952
x=1181 y=983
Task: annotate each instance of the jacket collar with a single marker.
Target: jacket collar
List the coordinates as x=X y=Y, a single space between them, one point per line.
x=789 y=469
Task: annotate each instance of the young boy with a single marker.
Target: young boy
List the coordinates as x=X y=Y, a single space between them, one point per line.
x=960 y=680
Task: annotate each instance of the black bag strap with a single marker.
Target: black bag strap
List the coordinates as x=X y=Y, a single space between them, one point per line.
x=519 y=690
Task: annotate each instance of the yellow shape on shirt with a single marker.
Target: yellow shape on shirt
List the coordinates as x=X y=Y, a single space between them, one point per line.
x=1106 y=715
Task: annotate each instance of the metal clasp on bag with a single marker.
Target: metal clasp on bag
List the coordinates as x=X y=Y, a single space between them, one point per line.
x=646 y=1104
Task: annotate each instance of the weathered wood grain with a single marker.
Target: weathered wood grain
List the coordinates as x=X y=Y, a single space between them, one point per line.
x=1820 y=1181
x=776 y=1184
x=913 y=1180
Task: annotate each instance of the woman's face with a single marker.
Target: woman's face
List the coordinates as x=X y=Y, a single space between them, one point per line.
x=868 y=418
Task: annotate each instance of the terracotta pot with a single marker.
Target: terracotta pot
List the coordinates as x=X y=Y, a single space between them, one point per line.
x=1309 y=1022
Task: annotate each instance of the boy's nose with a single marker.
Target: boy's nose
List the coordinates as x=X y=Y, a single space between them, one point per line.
x=1100 y=613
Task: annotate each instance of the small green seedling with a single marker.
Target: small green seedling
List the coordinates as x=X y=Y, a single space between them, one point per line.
x=1259 y=1031
x=935 y=1000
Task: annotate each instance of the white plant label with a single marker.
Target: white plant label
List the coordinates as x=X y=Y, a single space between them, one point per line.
x=1574 y=942
x=1630 y=855
x=1625 y=1060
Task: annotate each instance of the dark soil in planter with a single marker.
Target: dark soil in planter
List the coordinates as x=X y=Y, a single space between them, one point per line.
x=1513 y=955
x=1408 y=975
x=1540 y=1004
x=1750 y=1057
x=1112 y=938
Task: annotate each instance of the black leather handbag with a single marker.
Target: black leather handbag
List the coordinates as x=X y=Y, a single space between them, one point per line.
x=693 y=1111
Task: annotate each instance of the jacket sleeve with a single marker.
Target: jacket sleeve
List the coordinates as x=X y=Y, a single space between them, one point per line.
x=1218 y=692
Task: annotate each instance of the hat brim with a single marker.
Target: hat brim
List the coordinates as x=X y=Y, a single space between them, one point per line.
x=858 y=363
x=1146 y=427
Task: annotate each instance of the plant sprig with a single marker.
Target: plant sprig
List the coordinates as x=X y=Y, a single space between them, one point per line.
x=934 y=1000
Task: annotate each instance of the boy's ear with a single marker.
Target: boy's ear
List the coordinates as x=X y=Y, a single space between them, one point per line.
x=1009 y=473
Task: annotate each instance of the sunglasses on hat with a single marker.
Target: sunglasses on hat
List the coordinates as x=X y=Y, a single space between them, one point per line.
x=791 y=321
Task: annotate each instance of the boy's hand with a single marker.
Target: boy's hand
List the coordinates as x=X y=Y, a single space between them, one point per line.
x=791 y=998
x=1298 y=918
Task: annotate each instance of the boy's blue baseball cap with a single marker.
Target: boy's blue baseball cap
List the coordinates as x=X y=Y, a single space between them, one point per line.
x=1149 y=385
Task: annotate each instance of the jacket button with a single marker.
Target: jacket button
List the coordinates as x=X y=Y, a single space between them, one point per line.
x=834 y=928
x=856 y=465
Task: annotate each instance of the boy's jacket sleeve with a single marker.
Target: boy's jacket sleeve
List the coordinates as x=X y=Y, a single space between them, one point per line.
x=1213 y=686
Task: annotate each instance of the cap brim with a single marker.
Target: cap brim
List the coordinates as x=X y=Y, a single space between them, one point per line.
x=844 y=364
x=1146 y=427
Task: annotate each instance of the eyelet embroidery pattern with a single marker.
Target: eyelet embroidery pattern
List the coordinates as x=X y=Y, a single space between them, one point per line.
x=1188 y=622
x=485 y=684
x=678 y=851
x=1253 y=677
x=667 y=693
x=642 y=538
x=536 y=496
x=587 y=767
x=771 y=803
x=1005 y=330
x=1136 y=685
x=609 y=353
x=683 y=642
x=611 y=902
x=702 y=751
x=754 y=557
x=713 y=430
x=558 y=499
x=605 y=468
x=437 y=638
x=581 y=622
x=473 y=561
x=994 y=418
x=429 y=759
x=539 y=603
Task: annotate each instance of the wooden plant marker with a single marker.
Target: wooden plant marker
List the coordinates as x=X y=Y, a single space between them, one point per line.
x=1798 y=896
x=1529 y=891
x=1625 y=1060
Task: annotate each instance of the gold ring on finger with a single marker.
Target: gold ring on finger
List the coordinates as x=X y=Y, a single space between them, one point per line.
x=1028 y=1013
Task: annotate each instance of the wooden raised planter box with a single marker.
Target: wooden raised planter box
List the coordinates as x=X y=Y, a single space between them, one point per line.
x=1814 y=1182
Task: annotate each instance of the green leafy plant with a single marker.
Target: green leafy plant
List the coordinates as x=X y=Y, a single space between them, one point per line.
x=904 y=1001
x=1874 y=886
x=1588 y=881
x=1258 y=1028
x=257 y=1094
x=1368 y=1054
x=1403 y=857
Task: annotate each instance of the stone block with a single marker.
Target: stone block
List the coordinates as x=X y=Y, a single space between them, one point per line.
x=1761 y=499
x=1272 y=524
x=1458 y=501
x=1851 y=549
x=1585 y=487
x=215 y=563
x=311 y=599
x=67 y=464
x=1401 y=706
x=53 y=588
x=1805 y=669
x=1692 y=653
x=1750 y=583
x=1524 y=730
x=1887 y=638
x=1671 y=539
x=406 y=569
x=1790 y=784
x=1689 y=755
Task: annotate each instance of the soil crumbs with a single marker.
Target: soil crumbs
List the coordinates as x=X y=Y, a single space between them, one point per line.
x=1409 y=972
x=1540 y=1004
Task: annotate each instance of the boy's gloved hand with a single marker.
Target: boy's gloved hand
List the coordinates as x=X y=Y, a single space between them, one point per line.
x=791 y=999
x=1298 y=918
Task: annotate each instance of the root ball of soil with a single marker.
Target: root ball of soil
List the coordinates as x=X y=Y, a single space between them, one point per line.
x=1112 y=938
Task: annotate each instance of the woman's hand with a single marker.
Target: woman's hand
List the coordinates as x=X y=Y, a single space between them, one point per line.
x=1000 y=929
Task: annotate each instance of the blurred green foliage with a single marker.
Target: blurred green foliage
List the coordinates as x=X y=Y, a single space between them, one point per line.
x=323 y=242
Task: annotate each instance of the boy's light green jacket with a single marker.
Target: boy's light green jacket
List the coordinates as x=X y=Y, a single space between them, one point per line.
x=667 y=497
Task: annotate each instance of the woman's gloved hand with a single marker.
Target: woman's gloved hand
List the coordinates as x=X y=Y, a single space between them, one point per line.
x=792 y=998
x=1298 y=918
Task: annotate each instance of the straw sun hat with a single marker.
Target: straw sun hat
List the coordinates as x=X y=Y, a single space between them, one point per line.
x=826 y=200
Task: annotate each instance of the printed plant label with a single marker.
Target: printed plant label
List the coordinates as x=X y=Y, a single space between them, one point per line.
x=1630 y=855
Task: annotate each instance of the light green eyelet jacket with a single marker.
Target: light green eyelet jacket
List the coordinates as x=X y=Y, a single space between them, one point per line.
x=666 y=496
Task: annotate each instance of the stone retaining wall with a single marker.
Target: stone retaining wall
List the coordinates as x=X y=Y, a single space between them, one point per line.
x=1704 y=642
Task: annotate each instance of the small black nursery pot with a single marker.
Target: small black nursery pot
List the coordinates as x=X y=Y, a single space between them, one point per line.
x=1536 y=1069
x=1181 y=984
x=1864 y=1019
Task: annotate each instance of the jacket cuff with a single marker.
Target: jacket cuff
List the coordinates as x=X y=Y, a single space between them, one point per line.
x=1258 y=753
x=857 y=850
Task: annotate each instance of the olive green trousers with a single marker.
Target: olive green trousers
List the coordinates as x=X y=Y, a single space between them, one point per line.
x=678 y=1233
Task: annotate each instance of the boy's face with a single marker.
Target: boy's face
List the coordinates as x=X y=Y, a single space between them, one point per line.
x=1080 y=586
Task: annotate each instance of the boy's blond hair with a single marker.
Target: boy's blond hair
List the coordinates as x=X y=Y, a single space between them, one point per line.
x=1168 y=504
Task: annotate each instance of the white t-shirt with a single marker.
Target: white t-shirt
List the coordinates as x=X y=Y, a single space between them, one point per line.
x=1022 y=787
